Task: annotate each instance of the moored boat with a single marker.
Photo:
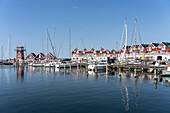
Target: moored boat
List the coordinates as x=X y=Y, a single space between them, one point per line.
x=167 y=73
x=97 y=66
x=37 y=65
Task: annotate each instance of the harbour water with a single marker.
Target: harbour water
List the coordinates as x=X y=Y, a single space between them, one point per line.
x=44 y=90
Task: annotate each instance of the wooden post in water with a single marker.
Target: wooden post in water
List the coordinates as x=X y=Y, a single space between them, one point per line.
x=70 y=69
x=77 y=67
x=64 y=66
x=119 y=72
x=59 y=70
x=86 y=68
x=95 y=69
x=135 y=72
x=155 y=77
x=106 y=69
x=155 y=83
x=70 y=66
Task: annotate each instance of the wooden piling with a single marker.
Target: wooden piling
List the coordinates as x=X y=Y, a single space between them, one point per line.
x=77 y=67
x=64 y=67
x=155 y=73
x=70 y=66
x=106 y=69
x=155 y=84
x=119 y=72
x=86 y=68
x=95 y=69
x=135 y=72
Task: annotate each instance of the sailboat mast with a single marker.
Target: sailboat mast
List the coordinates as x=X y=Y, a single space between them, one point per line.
x=47 y=41
x=9 y=46
x=69 y=44
x=125 y=37
x=81 y=47
x=54 y=42
x=25 y=49
x=135 y=35
x=62 y=49
x=43 y=45
x=2 y=53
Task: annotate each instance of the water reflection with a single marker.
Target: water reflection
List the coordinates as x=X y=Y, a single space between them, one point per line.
x=127 y=86
x=20 y=73
x=131 y=93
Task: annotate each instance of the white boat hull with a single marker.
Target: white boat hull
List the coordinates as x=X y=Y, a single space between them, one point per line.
x=92 y=67
x=37 y=65
x=65 y=65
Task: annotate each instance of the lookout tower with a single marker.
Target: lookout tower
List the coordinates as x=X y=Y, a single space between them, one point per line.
x=20 y=53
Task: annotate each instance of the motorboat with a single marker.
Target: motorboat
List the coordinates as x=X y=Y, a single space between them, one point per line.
x=30 y=64
x=50 y=64
x=167 y=72
x=37 y=65
x=97 y=66
x=65 y=64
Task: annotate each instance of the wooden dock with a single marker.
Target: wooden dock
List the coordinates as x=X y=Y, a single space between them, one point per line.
x=144 y=68
x=138 y=66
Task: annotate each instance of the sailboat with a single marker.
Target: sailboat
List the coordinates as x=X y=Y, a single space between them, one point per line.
x=66 y=64
x=122 y=57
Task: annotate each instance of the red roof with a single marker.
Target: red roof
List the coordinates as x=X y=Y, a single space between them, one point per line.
x=88 y=52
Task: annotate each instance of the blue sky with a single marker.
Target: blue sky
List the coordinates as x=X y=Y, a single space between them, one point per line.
x=98 y=22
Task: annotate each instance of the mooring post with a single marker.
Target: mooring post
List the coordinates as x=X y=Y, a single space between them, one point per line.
x=155 y=72
x=106 y=69
x=70 y=66
x=77 y=67
x=86 y=68
x=59 y=67
x=64 y=67
x=155 y=84
x=119 y=72
x=95 y=69
x=135 y=72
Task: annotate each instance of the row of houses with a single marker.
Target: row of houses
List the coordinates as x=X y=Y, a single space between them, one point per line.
x=159 y=48
x=152 y=50
x=40 y=56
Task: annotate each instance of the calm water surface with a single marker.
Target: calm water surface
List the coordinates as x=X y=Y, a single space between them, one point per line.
x=43 y=90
